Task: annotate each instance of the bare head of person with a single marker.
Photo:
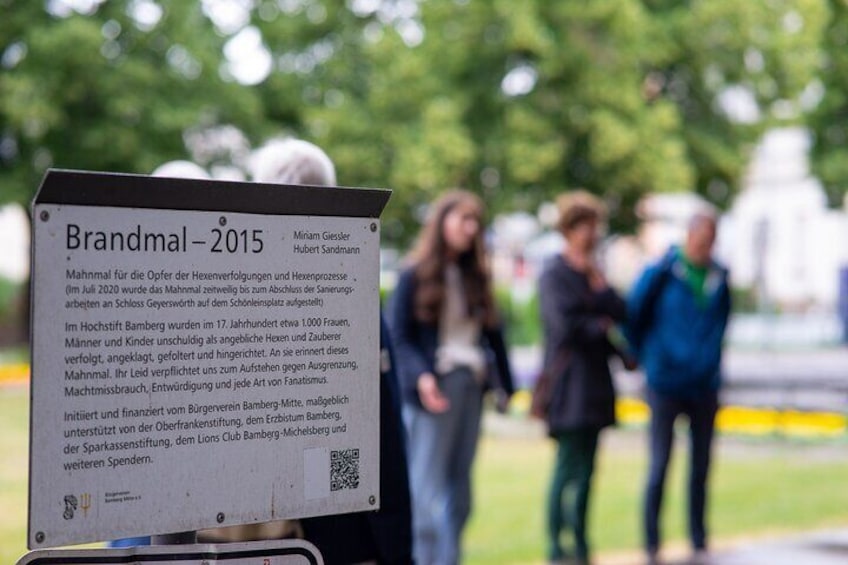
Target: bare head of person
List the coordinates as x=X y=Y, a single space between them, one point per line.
x=581 y=214
x=180 y=169
x=700 y=237
x=292 y=161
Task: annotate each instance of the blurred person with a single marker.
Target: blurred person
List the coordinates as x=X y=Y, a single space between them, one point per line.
x=292 y=161
x=578 y=311
x=677 y=315
x=382 y=536
x=181 y=169
x=445 y=324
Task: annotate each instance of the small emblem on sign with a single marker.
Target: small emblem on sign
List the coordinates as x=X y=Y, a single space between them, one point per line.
x=85 y=503
x=70 y=507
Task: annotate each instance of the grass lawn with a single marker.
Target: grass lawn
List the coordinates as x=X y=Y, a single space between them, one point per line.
x=760 y=487
x=14 y=355
x=14 y=463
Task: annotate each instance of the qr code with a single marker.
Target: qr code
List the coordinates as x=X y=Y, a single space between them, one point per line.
x=344 y=469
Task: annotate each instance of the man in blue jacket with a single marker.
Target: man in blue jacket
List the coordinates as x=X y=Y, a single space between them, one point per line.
x=677 y=316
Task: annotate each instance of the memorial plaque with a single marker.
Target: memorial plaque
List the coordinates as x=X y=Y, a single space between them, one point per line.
x=204 y=353
x=276 y=552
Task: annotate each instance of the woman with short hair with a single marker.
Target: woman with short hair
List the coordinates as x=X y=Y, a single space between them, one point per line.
x=578 y=310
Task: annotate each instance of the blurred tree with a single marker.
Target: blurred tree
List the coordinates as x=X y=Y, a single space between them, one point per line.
x=733 y=69
x=600 y=131
x=516 y=100
x=108 y=86
x=111 y=86
x=364 y=81
x=829 y=120
x=522 y=100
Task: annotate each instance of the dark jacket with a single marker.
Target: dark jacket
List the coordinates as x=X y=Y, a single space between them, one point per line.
x=384 y=536
x=574 y=319
x=677 y=339
x=416 y=343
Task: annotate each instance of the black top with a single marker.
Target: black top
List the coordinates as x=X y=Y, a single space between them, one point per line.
x=86 y=188
x=416 y=343
x=577 y=347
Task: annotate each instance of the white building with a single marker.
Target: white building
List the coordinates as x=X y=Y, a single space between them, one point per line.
x=779 y=238
x=783 y=239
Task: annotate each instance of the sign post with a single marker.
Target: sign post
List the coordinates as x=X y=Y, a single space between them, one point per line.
x=204 y=354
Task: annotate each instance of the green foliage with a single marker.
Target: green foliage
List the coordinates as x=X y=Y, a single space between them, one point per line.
x=101 y=92
x=620 y=97
x=520 y=317
x=830 y=140
x=14 y=355
x=515 y=100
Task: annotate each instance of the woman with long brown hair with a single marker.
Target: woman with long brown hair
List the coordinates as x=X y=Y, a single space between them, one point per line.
x=445 y=327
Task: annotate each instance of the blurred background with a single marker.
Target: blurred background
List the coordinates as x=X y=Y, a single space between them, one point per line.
x=655 y=105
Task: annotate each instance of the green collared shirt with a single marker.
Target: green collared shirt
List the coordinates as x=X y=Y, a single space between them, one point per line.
x=696 y=277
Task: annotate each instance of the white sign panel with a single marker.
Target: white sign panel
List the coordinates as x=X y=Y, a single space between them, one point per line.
x=194 y=369
x=285 y=552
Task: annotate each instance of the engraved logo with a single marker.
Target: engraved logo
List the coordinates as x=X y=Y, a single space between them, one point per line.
x=85 y=503
x=70 y=507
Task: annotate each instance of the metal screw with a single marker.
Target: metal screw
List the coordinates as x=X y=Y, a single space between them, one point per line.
x=220 y=517
x=45 y=215
x=39 y=537
x=372 y=500
x=222 y=221
x=373 y=226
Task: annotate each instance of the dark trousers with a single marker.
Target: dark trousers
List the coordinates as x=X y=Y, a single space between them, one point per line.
x=568 y=499
x=664 y=411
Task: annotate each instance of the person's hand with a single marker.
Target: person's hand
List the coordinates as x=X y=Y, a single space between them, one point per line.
x=630 y=362
x=501 y=401
x=431 y=396
x=597 y=281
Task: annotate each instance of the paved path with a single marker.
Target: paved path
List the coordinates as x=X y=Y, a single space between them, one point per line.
x=826 y=547
x=820 y=548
